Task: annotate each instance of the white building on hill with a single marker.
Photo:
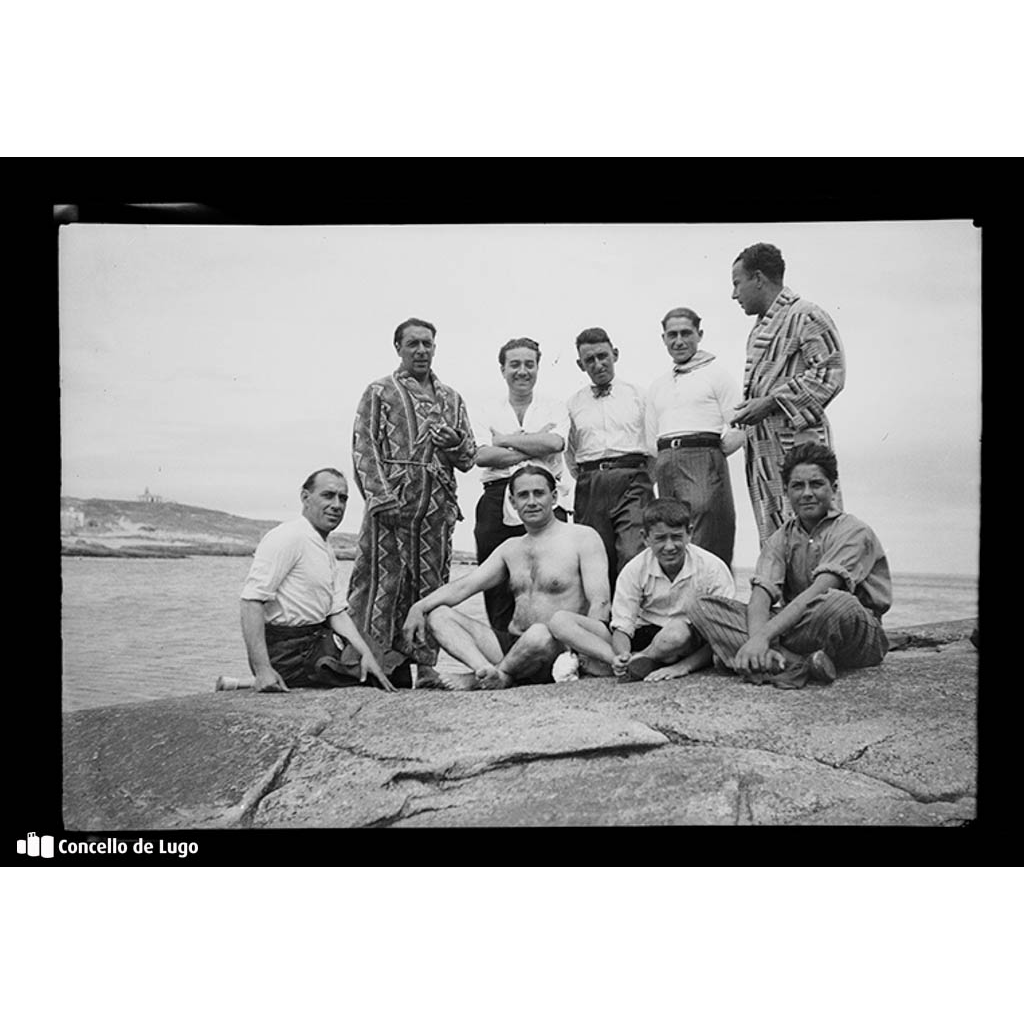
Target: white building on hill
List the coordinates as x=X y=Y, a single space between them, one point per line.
x=153 y=499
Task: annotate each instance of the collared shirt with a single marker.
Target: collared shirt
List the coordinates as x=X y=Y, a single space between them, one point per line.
x=644 y=595
x=498 y=417
x=688 y=403
x=792 y=559
x=603 y=428
x=295 y=573
x=795 y=355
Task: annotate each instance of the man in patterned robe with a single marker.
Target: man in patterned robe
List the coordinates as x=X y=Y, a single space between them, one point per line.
x=795 y=366
x=411 y=433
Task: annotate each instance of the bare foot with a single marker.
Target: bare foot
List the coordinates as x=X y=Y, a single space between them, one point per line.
x=455 y=681
x=492 y=678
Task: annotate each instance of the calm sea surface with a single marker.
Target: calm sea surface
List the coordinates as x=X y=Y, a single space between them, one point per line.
x=139 y=629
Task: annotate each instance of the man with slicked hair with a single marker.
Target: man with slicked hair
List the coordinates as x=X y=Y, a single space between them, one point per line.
x=606 y=452
x=411 y=433
x=795 y=367
x=295 y=619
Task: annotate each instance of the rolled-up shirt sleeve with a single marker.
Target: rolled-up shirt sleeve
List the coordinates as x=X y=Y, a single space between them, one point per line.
x=272 y=561
x=770 y=572
x=851 y=554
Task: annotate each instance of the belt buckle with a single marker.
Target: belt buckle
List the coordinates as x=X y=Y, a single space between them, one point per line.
x=676 y=442
x=606 y=464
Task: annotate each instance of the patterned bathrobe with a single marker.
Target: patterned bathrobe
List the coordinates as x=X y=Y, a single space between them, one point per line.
x=794 y=354
x=405 y=549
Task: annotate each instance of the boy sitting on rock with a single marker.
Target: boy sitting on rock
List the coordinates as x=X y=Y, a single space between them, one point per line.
x=649 y=636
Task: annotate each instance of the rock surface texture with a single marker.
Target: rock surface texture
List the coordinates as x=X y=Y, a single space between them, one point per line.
x=892 y=745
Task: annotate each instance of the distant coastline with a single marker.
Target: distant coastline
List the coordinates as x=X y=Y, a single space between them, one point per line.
x=106 y=528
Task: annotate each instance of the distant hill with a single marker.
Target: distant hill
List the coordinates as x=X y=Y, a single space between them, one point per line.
x=102 y=527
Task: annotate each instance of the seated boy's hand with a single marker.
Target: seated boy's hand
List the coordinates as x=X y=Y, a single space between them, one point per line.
x=668 y=672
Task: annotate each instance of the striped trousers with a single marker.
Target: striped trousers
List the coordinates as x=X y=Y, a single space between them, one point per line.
x=835 y=622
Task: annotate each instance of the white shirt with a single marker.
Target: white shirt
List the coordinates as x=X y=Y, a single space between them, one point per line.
x=498 y=417
x=684 y=403
x=644 y=595
x=295 y=573
x=603 y=428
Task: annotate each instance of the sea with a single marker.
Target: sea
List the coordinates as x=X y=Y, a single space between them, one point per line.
x=141 y=629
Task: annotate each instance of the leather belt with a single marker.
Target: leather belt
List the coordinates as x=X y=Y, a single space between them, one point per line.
x=617 y=462
x=705 y=439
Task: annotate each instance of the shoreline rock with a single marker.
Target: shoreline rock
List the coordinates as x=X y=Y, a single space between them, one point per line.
x=891 y=745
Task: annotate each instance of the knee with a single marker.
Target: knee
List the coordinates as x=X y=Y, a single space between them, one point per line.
x=439 y=616
x=558 y=625
x=536 y=637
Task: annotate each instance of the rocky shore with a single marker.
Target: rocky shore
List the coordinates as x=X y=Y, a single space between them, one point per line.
x=891 y=745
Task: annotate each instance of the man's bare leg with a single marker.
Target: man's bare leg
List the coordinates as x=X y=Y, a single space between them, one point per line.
x=670 y=643
x=585 y=636
x=533 y=654
x=466 y=640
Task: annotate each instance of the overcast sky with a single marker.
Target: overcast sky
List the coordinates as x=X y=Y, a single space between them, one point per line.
x=218 y=365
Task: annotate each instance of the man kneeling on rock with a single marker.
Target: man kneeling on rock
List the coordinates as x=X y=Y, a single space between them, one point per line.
x=293 y=601
x=650 y=636
x=828 y=572
x=555 y=567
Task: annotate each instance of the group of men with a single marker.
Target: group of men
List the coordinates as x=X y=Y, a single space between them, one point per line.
x=636 y=586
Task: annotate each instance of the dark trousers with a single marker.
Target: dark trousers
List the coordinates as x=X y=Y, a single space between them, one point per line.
x=308 y=656
x=699 y=478
x=612 y=502
x=489 y=531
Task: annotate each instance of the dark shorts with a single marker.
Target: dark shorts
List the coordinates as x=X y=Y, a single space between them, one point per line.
x=308 y=656
x=643 y=637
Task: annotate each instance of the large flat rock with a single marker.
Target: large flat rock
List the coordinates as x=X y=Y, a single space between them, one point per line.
x=894 y=744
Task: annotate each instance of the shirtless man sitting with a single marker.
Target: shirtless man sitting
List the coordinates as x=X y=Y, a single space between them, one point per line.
x=555 y=567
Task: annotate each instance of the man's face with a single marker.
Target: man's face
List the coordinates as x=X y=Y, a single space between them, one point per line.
x=533 y=499
x=746 y=290
x=324 y=505
x=681 y=339
x=597 y=360
x=669 y=546
x=810 y=494
x=416 y=350
x=520 y=370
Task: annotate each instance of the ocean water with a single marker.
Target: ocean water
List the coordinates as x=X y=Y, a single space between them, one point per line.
x=141 y=629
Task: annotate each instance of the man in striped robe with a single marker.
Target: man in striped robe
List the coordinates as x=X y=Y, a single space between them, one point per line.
x=795 y=366
x=411 y=433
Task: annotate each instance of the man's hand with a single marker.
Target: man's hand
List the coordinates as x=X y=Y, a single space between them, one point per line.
x=367 y=665
x=269 y=680
x=756 y=656
x=752 y=411
x=444 y=436
x=415 y=628
x=620 y=664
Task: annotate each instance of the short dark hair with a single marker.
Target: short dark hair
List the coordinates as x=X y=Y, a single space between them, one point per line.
x=517 y=343
x=532 y=467
x=593 y=336
x=310 y=480
x=667 y=511
x=810 y=453
x=765 y=257
x=413 y=322
x=681 y=311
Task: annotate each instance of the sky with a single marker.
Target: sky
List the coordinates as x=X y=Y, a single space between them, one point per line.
x=218 y=365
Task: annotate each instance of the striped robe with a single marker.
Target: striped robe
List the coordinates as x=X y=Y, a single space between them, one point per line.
x=794 y=354
x=403 y=478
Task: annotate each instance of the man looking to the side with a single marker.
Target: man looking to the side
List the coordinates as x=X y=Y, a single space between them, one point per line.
x=795 y=367
x=554 y=566
x=606 y=452
x=293 y=600
x=827 y=573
